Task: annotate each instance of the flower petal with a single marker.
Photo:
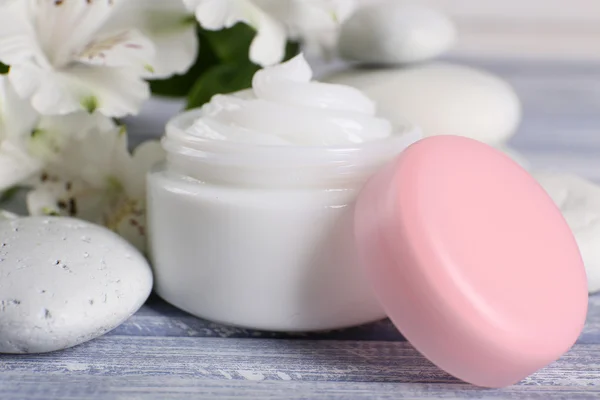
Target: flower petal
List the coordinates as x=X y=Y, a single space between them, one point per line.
x=64 y=27
x=53 y=135
x=144 y=158
x=268 y=47
x=66 y=197
x=128 y=48
x=62 y=60
x=93 y=157
x=114 y=92
x=217 y=14
x=78 y=182
x=95 y=192
x=17 y=120
x=17 y=117
x=169 y=25
x=16 y=165
x=314 y=22
x=18 y=38
x=42 y=201
x=336 y=10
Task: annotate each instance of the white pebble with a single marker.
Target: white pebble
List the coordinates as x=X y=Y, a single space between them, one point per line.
x=64 y=282
x=395 y=33
x=442 y=98
x=579 y=201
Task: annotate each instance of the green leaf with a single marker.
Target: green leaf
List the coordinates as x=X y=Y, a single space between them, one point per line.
x=292 y=50
x=229 y=77
x=216 y=48
x=3 y=69
x=180 y=85
x=221 y=79
x=222 y=66
x=231 y=45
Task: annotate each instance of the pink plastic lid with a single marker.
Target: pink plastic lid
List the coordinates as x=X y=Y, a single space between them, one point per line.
x=472 y=261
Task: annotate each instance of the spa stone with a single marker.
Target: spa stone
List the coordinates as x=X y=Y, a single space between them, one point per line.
x=393 y=33
x=64 y=282
x=442 y=98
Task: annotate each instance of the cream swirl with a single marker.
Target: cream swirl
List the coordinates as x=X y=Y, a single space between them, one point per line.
x=285 y=107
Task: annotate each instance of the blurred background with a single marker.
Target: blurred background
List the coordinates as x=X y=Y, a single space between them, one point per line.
x=547 y=50
x=531 y=29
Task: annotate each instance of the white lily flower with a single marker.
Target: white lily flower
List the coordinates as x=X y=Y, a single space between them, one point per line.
x=73 y=55
x=169 y=26
x=77 y=165
x=17 y=121
x=313 y=21
x=28 y=140
x=96 y=179
x=316 y=23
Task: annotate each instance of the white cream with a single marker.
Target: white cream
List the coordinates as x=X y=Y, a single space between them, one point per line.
x=285 y=107
x=251 y=217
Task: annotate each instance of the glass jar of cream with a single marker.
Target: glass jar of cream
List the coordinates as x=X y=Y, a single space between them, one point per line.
x=251 y=216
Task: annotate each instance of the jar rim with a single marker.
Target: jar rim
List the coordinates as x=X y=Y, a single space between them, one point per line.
x=176 y=141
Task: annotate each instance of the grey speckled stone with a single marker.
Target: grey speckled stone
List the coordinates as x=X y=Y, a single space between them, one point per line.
x=64 y=282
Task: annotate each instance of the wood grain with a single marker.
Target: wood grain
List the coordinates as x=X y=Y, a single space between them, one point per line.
x=235 y=366
x=164 y=353
x=160 y=319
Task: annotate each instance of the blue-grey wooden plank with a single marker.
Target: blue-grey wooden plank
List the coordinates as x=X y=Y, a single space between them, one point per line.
x=158 y=318
x=561 y=104
x=185 y=388
x=591 y=332
x=248 y=364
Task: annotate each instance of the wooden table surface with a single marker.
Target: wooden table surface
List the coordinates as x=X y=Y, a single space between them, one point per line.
x=162 y=353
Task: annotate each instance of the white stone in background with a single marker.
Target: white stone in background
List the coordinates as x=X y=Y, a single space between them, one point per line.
x=393 y=32
x=579 y=201
x=443 y=98
x=64 y=282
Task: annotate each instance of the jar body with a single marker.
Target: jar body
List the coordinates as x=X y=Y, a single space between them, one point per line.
x=269 y=258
